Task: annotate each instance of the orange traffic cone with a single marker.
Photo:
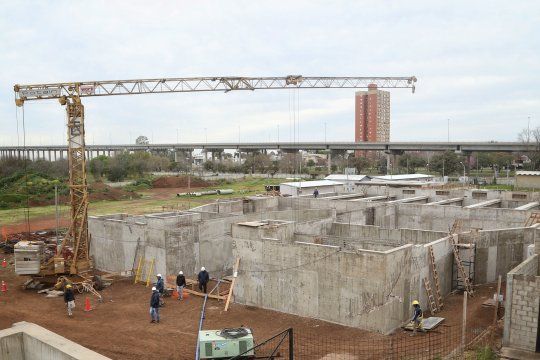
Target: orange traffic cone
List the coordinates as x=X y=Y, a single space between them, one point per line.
x=4 y=286
x=87 y=304
x=4 y=263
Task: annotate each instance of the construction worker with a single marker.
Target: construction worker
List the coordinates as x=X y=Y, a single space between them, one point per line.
x=160 y=285
x=417 y=317
x=69 y=299
x=203 y=278
x=180 y=283
x=154 y=306
x=316 y=193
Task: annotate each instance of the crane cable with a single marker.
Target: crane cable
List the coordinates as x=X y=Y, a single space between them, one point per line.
x=25 y=166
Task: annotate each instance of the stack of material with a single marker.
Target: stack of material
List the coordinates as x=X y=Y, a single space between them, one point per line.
x=28 y=256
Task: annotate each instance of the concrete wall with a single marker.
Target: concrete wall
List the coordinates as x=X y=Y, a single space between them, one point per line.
x=441 y=218
x=522 y=305
x=182 y=242
x=528 y=181
x=394 y=236
x=498 y=251
x=363 y=289
x=27 y=341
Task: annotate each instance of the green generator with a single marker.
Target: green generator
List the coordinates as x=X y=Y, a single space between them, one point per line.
x=226 y=343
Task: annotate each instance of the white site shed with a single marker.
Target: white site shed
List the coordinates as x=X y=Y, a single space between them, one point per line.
x=307 y=187
x=343 y=178
x=404 y=177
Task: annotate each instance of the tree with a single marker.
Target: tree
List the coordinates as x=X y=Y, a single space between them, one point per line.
x=532 y=137
x=446 y=163
x=142 y=140
x=411 y=162
x=361 y=164
x=98 y=166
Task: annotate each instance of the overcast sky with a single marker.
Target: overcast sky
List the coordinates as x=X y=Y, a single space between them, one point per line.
x=477 y=64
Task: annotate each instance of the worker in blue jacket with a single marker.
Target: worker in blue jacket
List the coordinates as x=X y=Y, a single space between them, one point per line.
x=154 y=306
x=203 y=278
x=418 y=317
x=160 y=285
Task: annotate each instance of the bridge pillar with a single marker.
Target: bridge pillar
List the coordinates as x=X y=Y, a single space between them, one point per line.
x=329 y=161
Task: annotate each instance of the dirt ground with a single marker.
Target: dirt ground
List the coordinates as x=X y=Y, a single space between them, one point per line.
x=119 y=327
x=179 y=181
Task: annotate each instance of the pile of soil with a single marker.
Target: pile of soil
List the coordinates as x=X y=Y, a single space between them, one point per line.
x=100 y=191
x=179 y=182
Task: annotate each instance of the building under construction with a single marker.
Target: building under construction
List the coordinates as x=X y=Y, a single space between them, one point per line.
x=355 y=259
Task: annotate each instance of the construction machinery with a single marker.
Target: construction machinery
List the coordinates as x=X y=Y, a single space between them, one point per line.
x=73 y=253
x=226 y=343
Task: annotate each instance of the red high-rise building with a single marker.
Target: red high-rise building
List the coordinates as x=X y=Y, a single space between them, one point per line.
x=372 y=115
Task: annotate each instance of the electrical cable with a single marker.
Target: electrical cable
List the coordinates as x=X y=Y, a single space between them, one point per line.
x=292 y=267
x=26 y=174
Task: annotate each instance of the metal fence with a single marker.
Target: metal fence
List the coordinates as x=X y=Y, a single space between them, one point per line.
x=443 y=343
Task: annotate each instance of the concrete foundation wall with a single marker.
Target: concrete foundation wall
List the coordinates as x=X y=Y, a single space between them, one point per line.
x=27 y=341
x=394 y=236
x=498 y=251
x=365 y=289
x=522 y=305
x=441 y=218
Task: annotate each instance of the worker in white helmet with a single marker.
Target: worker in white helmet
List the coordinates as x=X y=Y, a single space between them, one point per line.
x=417 y=317
x=154 y=306
x=180 y=283
x=203 y=278
x=160 y=285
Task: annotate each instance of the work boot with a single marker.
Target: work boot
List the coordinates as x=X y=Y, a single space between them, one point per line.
x=151 y=321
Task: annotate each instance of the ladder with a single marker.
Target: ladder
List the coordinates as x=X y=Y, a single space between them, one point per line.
x=431 y=298
x=456 y=227
x=435 y=279
x=534 y=218
x=461 y=270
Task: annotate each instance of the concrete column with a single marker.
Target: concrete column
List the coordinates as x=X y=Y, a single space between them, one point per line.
x=387 y=164
x=205 y=155
x=109 y=153
x=329 y=162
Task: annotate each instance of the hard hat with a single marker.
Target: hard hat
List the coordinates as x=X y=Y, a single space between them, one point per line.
x=181 y=273
x=154 y=288
x=202 y=269
x=415 y=302
x=158 y=275
x=68 y=286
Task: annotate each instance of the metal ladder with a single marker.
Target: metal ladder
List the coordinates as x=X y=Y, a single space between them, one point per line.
x=461 y=271
x=439 y=298
x=431 y=298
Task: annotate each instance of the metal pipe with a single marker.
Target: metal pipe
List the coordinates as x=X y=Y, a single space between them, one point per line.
x=197 y=354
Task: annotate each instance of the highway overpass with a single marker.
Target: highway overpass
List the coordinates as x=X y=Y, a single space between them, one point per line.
x=52 y=152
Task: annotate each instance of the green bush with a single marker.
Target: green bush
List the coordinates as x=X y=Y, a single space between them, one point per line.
x=485 y=353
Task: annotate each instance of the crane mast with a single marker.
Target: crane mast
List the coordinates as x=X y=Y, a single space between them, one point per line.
x=70 y=94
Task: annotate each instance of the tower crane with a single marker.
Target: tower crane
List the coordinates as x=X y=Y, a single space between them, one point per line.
x=69 y=94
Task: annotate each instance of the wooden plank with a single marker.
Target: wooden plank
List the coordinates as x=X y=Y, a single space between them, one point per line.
x=212 y=296
x=231 y=289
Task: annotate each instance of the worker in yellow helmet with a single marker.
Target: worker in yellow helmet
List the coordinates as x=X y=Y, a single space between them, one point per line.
x=418 y=317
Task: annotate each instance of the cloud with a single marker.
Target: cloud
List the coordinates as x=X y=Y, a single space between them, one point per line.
x=477 y=65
